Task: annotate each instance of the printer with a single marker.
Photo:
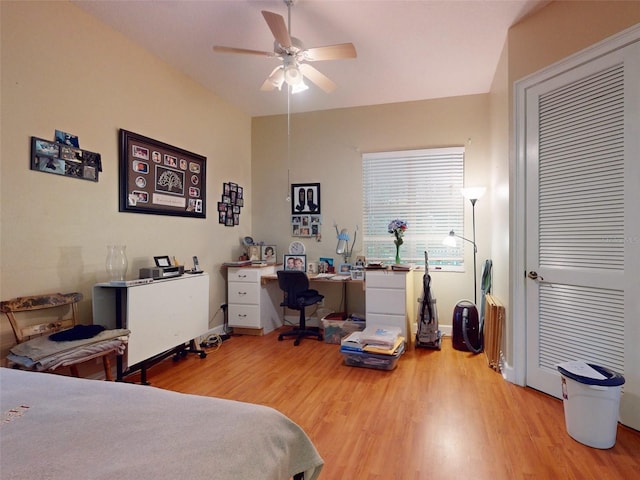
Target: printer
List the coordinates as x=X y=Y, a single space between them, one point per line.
x=158 y=273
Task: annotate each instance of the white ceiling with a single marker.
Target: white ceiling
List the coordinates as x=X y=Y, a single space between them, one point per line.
x=407 y=49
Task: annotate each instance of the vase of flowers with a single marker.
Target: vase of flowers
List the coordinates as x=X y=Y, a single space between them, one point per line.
x=397 y=227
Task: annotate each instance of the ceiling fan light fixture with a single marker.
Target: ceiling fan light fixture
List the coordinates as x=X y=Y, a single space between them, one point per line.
x=299 y=87
x=277 y=79
x=292 y=75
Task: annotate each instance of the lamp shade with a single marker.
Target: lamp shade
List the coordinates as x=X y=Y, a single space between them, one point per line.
x=450 y=240
x=292 y=75
x=473 y=193
x=277 y=78
x=299 y=87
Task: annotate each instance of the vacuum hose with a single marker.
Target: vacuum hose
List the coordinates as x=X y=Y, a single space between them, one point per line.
x=465 y=334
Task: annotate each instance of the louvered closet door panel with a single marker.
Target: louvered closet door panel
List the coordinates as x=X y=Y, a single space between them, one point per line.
x=576 y=222
x=581 y=174
x=581 y=323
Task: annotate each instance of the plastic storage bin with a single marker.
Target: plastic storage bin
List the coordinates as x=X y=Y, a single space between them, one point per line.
x=372 y=360
x=591 y=406
x=336 y=330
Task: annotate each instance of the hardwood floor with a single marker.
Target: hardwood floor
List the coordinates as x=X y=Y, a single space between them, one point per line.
x=439 y=415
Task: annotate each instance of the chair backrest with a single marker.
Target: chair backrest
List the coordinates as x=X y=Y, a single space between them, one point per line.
x=292 y=282
x=41 y=314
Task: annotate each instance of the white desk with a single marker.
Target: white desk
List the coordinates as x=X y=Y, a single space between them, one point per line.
x=387 y=296
x=160 y=315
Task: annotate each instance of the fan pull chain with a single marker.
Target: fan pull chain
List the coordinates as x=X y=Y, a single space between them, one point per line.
x=288 y=195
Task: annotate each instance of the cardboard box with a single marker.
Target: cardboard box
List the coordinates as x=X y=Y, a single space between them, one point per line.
x=335 y=330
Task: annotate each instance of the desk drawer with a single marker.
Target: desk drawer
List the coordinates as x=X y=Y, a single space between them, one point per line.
x=386 y=279
x=247 y=316
x=244 y=293
x=386 y=300
x=244 y=275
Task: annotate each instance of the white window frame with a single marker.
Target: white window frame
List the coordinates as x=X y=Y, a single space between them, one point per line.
x=421 y=187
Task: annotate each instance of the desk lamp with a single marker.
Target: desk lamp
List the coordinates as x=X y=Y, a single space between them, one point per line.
x=343 y=243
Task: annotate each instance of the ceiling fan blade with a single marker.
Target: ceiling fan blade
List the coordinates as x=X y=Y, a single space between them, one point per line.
x=320 y=79
x=331 y=52
x=244 y=51
x=274 y=80
x=267 y=86
x=278 y=28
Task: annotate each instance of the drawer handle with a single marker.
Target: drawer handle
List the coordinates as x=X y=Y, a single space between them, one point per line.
x=242 y=293
x=242 y=276
x=243 y=315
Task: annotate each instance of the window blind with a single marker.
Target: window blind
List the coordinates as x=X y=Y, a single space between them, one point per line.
x=421 y=187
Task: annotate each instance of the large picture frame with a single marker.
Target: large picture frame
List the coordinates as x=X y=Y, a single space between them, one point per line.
x=161 y=179
x=305 y=198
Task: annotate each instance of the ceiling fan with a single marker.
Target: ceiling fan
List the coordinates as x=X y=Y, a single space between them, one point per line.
x=294 y=56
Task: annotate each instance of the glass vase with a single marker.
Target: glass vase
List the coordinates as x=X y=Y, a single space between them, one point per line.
x=398 y=255
x=117 y=262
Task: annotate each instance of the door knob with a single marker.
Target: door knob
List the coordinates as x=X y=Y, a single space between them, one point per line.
x=534 y=276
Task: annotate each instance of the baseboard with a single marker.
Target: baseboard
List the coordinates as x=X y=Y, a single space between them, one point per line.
x=508 y=373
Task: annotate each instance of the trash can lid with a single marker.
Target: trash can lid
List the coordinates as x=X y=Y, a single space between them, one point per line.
x=612 y=379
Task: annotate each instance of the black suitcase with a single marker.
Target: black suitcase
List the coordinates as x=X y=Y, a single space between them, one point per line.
x=467 y=334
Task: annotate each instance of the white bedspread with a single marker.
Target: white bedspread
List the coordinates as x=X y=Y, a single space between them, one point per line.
x=56 y=427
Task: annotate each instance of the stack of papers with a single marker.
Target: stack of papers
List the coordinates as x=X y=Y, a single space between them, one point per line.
x=380 y=336
x=582 y=369
x=355 y=342
x=239 y=263
x=352 y=342
x=340 y=277
x=403 y=267
x=383 y=350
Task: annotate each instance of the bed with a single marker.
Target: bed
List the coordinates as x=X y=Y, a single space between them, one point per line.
x=55 y=427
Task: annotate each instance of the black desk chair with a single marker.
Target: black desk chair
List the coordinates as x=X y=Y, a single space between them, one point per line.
x=298 y=296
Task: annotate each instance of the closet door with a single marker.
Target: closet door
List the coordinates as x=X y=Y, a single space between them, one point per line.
x=582 y=209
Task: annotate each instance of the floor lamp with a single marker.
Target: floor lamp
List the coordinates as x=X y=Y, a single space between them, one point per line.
x=473 y=194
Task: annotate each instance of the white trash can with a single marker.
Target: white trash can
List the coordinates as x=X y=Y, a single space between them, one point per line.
x=591 y=405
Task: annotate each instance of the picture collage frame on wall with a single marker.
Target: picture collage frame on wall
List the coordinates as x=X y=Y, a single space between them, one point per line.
x=305 y=225
x=306 y=220
x=230 y=204
x=64 y=157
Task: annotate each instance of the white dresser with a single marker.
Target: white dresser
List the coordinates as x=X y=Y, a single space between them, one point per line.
x=249 y=304
x=387 y=299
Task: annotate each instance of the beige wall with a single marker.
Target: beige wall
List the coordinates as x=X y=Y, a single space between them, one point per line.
x=326 y=147
x=61 y=69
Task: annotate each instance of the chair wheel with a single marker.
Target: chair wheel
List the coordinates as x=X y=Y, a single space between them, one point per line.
x=279 y=338
x=203 y=354
x=297 y=342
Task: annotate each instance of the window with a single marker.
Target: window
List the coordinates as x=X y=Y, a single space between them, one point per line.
x=421 y=187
